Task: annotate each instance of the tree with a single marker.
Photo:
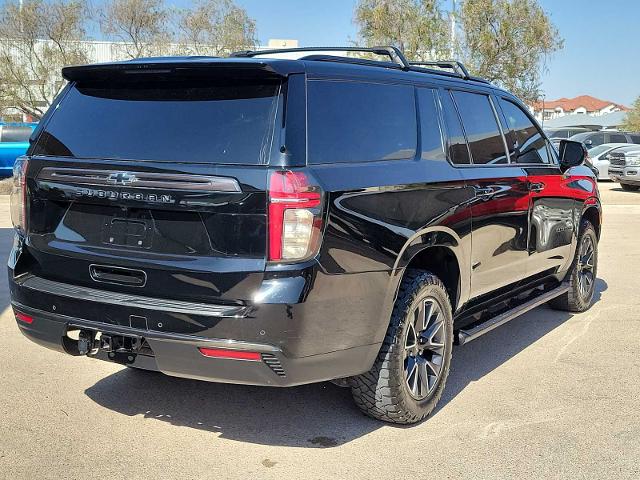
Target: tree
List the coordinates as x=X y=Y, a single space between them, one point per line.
x=507 y=42
x=36 y=39
x=144 y=26
x=632 y=120
x=417 y=27
x=216 y=27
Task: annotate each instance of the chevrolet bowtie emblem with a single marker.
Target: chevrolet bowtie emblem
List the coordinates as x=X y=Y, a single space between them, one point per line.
x=122 y=178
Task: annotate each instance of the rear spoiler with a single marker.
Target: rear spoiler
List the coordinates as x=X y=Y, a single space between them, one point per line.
x=172 y=67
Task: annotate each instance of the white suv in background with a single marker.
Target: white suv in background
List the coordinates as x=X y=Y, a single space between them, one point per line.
x=599 y=157
x=624 y=167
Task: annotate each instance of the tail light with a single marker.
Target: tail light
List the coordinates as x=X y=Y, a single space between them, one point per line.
x=23 y=317
x=295 y=220
x=19 y=195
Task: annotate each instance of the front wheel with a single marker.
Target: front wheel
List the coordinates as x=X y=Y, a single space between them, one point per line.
x=629 y=188
x=410 y=372
x=582 y=277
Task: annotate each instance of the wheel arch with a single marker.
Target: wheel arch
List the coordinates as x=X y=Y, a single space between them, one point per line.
x=592 y=211
x=441 y=252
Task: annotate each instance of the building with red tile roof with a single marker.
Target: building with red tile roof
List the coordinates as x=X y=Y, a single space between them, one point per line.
x=587 y=104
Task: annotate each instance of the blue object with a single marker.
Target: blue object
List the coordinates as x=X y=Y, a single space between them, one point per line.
x=14 y=141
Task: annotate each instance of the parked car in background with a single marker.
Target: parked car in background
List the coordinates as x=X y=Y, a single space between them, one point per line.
x=14 y=141
x=555 y=143
x=557 y=134
x=599 y=158
x=625 y=167
x=591 y=166
x=565 y=133
x=593 y=139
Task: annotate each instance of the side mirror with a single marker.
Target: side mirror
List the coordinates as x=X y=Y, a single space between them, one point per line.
x=588 y=142
x=572 y=154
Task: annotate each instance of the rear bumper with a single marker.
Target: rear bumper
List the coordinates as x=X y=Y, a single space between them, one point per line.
x=178 y=355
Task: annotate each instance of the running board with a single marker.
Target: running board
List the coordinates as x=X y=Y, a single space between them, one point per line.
x=465 y=336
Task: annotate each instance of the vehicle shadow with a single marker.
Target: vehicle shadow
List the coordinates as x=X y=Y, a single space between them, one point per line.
x=313 y=416
x=473 y=361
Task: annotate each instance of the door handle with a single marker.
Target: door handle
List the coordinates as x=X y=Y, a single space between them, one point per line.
x=536 y=187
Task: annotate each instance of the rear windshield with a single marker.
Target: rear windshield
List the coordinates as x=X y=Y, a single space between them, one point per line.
x=178 y=122
x=599 y=149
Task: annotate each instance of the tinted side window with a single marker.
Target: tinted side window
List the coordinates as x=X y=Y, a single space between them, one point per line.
x=595 y=140
x=430 y=133
x=481 y=128
x=560 y=134
x=12 y=133
x=617 y=138
x=458 y=151
x=358 y=122
x=530 y=146
x=635 y=138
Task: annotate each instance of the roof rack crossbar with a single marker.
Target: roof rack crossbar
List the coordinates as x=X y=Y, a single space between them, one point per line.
x=394 y=54
x=457 y=67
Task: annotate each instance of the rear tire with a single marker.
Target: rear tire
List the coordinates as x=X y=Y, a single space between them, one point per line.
x=630 y=188
x=583 y=273
x=410 y=372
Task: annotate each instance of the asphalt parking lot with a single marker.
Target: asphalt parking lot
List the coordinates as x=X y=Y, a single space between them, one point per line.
x=549 y=395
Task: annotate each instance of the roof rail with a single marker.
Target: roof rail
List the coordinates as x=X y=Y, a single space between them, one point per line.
x=394 y=54
x=398 y=60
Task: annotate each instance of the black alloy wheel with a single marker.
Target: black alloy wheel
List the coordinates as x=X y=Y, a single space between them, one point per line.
x=424 y=348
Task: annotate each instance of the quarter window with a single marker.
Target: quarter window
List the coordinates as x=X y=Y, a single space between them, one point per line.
x=430 y=133
x=529 y=145
x=458 y=150
x=481 y=127
x=360 y=122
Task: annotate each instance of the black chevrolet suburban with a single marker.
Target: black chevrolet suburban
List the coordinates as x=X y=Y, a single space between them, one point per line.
x=271 y=221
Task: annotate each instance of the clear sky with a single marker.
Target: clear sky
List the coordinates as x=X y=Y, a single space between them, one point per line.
x=600 y=56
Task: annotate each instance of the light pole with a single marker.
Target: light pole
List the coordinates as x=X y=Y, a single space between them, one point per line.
x=452 y=15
